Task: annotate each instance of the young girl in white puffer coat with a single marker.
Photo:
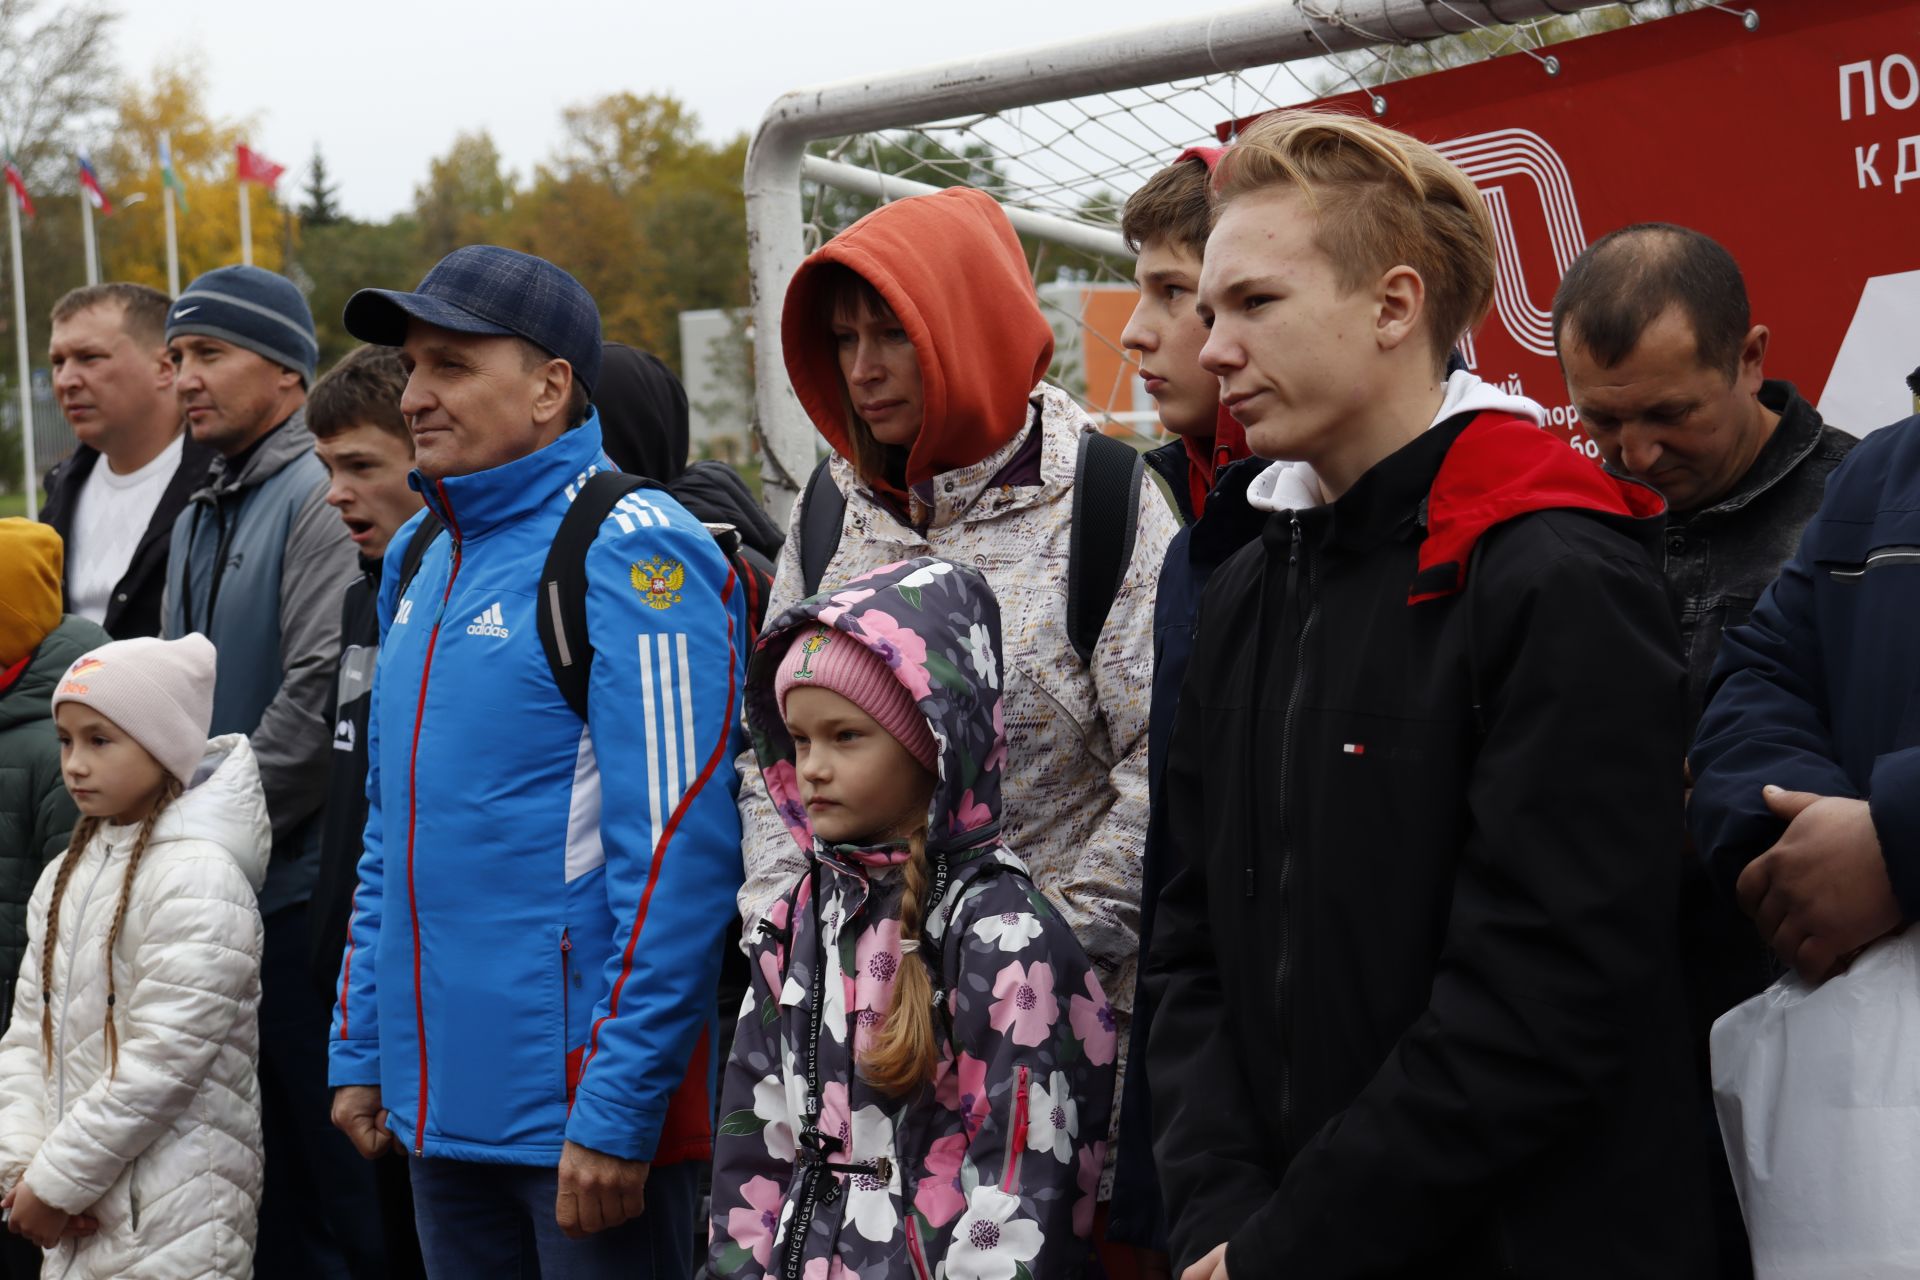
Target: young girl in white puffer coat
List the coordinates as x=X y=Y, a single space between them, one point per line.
x=129 y=1099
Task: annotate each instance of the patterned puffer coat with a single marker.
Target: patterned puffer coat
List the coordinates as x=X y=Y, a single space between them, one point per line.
x=992 y=1168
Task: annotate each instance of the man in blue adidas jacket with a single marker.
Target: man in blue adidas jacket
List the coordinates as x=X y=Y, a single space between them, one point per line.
x=528 y=983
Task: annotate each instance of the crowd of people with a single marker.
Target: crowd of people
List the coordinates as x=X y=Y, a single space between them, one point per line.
x=443 y=832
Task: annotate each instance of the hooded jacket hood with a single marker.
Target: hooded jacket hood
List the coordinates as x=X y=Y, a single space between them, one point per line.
x=1501 y=466
x=953 y=271
x=225 y=806
x=643 y=414
x=937 y=626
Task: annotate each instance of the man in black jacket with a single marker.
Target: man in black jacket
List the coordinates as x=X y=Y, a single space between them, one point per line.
x=361 y=436
x=1414 y=966
x=1664 y=364
x=114 y=382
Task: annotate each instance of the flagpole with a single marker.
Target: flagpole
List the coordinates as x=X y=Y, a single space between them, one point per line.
x=173 y=245
x=246 y=226
x=20 y=348
x=86 y=232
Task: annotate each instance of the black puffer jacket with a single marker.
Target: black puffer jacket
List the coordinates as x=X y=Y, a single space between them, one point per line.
x=36 y=813
x=1414 y=970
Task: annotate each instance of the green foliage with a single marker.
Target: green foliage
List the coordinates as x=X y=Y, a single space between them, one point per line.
x=321 y=209
x=343 y=256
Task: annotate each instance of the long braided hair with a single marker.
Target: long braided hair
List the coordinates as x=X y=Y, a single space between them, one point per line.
x=83 y=833
x=903 y=1054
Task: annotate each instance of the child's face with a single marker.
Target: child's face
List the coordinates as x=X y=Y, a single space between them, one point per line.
x=859 y=784
x=109 y=774
x=1296 y=354
x=1166 y=335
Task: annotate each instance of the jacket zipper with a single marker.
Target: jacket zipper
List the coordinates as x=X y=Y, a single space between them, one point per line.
x=66 y=996
x=916 y=1251
x=1016 y=1131
x=1282 y=985
x=413 y=807
x=566 y=1017
x=133 y=1195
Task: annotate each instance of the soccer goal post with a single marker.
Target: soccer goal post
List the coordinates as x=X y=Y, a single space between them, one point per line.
x=1060 y=135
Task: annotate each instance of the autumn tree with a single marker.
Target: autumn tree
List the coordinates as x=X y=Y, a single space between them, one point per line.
x=466 y=191
x=56 y=76
x=133 y=241
x=644 y=212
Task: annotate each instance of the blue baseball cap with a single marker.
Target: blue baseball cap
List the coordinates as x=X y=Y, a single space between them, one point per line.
x=484 y=288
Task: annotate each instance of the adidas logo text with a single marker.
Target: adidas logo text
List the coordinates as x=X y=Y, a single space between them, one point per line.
x=490 y=623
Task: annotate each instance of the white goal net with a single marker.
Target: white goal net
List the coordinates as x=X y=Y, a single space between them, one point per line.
x=1060 y=136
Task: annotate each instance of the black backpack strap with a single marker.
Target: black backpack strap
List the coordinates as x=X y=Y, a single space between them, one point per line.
x=562 y=605
x=1106 y=517
x=821 y=516
x=430 y=527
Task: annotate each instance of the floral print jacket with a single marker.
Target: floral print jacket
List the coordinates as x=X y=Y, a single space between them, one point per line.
x=991 y=1169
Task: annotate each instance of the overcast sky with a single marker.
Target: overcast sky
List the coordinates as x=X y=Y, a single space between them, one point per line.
x=385 y=85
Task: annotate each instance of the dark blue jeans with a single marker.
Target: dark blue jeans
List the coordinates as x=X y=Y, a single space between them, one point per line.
x=487 y=1220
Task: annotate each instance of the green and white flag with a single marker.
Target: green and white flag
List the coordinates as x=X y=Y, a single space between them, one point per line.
x=168 y=177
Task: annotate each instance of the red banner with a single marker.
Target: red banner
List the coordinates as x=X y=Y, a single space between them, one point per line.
x=255 y=167
x=1793 y=144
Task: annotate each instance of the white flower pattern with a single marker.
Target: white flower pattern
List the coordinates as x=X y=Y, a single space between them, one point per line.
x=1010 y=930
x=989 y=1243
x=1053 y=1121
x=980 y=649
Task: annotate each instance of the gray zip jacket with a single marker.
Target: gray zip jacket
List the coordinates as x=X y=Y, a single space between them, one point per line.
x=258 y=565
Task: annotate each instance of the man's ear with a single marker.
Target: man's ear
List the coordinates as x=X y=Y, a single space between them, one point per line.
x=162 y=368
x=550 y=397
x=1753 y=359
x=1400 y=301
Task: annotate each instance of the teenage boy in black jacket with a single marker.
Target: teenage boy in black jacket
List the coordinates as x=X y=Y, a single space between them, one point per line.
x=1414 y=969
x=362 y=437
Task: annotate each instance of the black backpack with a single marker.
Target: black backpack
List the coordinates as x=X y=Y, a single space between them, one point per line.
x=562 y=610
x=1106 y=514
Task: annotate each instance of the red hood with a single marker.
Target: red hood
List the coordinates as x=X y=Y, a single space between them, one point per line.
x=1501 y=467
x=953 y=271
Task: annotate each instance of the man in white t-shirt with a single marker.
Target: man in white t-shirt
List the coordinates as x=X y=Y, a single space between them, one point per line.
x=114 y=500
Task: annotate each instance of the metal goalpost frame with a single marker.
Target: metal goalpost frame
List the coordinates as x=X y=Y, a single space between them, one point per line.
x=1228 y=41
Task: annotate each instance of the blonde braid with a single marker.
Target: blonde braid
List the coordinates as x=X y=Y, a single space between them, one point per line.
x=83 y=832
x=903 y=1055
x=169 y=791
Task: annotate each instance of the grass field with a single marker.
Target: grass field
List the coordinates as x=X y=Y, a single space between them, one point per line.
x=13 y=504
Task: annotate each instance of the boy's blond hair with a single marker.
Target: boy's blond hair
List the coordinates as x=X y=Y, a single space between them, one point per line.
x=1381 y=199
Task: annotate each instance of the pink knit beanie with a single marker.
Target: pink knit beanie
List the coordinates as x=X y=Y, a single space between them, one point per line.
x=838 y=662
x=160 y=693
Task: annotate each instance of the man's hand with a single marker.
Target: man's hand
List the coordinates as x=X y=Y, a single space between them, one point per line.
x=1211 y=1267
x=1822 y=892
x=597 y=1191
x=358 y=1114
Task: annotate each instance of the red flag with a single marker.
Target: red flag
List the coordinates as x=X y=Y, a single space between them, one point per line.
x=19 y=185
x=255 y=167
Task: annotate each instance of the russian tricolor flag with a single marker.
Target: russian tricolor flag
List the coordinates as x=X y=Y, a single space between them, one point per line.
x=90 y=184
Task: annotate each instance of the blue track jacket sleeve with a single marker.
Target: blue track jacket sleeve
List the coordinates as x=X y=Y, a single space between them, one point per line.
x=668 y=628
x=353 y=1048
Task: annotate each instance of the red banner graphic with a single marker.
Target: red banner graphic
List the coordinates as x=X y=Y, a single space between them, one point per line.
x=1793 y=144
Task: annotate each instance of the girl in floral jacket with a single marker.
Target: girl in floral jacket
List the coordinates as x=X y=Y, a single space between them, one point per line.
x=922 y=1074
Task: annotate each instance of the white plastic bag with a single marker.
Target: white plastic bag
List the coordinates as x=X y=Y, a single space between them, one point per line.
x=1818 y=1093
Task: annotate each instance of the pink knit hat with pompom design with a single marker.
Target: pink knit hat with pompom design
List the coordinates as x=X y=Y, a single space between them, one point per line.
x=839 y=663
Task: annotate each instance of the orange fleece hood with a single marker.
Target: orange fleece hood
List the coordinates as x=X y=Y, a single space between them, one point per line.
x=953 y=271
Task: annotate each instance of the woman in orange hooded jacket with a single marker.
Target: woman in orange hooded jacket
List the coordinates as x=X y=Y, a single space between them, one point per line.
x=916 y=343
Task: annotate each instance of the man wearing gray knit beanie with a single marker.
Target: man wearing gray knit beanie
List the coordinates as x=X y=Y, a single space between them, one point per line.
x=258 y=564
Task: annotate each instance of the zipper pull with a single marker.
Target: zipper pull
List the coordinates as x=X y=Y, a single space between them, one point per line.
x=566 y=940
